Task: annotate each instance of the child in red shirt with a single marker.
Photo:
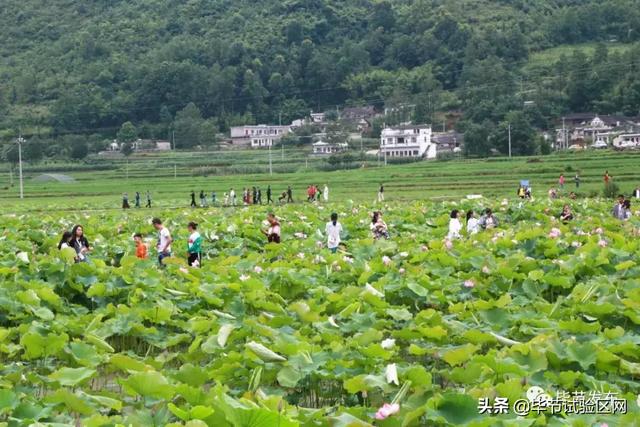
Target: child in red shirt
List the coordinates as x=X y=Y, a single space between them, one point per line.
x=141 y=248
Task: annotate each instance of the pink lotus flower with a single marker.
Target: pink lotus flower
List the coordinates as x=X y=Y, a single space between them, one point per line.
x=598 y=230
x=602 y=243
x=386 y=260
x=184 y=270
x=257 y=269
x=469 y=283
x=554 y=233
x=448 y=244
x=387 y=410
x=486 y=270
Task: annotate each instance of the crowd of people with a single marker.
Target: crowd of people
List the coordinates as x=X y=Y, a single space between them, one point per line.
x=250 y=196
x=137 y=198
x=474 y=224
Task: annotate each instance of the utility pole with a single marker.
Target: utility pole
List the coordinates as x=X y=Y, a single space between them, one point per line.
x=173 y=139
x=564 y=135
x=175 y=171
x=270 y=163
x=509 y=140
x=20 y=141
x=282 y=146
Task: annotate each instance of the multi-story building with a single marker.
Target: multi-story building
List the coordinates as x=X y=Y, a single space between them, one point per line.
x=325 y=148
x=407 y=141
x=258 y=136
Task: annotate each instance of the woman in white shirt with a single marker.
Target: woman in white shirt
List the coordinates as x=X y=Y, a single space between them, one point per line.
x=65 y=241
x=455 y=226
x=473 y=225
x=333 y=229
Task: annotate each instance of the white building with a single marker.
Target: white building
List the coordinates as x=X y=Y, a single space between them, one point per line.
x=627 y=140
x=407 y=141
x=324 y=148
x=258 y=135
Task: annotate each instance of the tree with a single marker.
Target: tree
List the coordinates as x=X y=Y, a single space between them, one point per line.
x=127 y=133
x=523 y=136
x=79 y=150
x=126 y=149
x=33 y=150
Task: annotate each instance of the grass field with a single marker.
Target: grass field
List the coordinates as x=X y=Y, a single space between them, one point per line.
x=494 y=177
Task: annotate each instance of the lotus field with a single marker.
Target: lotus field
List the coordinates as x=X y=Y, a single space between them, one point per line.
x=411 y=331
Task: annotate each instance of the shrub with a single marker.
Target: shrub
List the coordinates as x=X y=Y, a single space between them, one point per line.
x=611 y=190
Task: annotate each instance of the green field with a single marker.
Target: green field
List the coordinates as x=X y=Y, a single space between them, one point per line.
x=102 y=188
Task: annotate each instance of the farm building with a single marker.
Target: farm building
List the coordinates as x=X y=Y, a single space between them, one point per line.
x=407 y=141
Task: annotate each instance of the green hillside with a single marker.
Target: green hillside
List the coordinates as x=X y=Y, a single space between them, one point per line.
x=73 y=72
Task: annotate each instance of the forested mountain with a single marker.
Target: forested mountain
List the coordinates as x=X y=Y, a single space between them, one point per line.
x=73 y=68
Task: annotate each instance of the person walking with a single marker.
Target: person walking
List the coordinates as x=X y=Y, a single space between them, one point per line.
x=561 y=181
x=333 y=230
x=607 y=177
x=254 y=193
x=636 y=193
x=148 y=199
x=125 y=201
x=626 y=210
x=194 y=246
x=269 y=200
x=164 y=240
x=259 y=194
x=325 y=193
x=576 y=179
x=381 y=193
x=137 y=199
x=273 y=232
x=232 y=196
x=193 y=199
x=203 y=199
x=289 y=194
x=213 y=197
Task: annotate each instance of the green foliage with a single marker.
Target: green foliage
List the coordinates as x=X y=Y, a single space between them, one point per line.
x=293 y=334
x=611 y=190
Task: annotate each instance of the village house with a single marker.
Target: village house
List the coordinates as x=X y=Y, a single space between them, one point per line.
x=407 y=141
x=590 y=129
x=628 y=140
x=257 y=136
x=448 y=142
x=324 y=148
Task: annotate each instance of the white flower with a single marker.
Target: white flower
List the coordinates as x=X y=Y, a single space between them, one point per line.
x=257 y=269
x=300 y=255
x=469 y=283
x=602 y=243
x=386 y=260
x=319 y=244
x=598 y=230
x=23 y=256
x=448 y=244
x=347 y=259
x=388 y=343
x=300 y=235
x=332 y=322
x=244 y=277
x=576 y=244
x=319 y=259
x=373 y=291
x=391 y=374
x=554 y=233
x=404 y=254
x=638 y=400
x=486 y=270
x=401 y=270
x=424 y=248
